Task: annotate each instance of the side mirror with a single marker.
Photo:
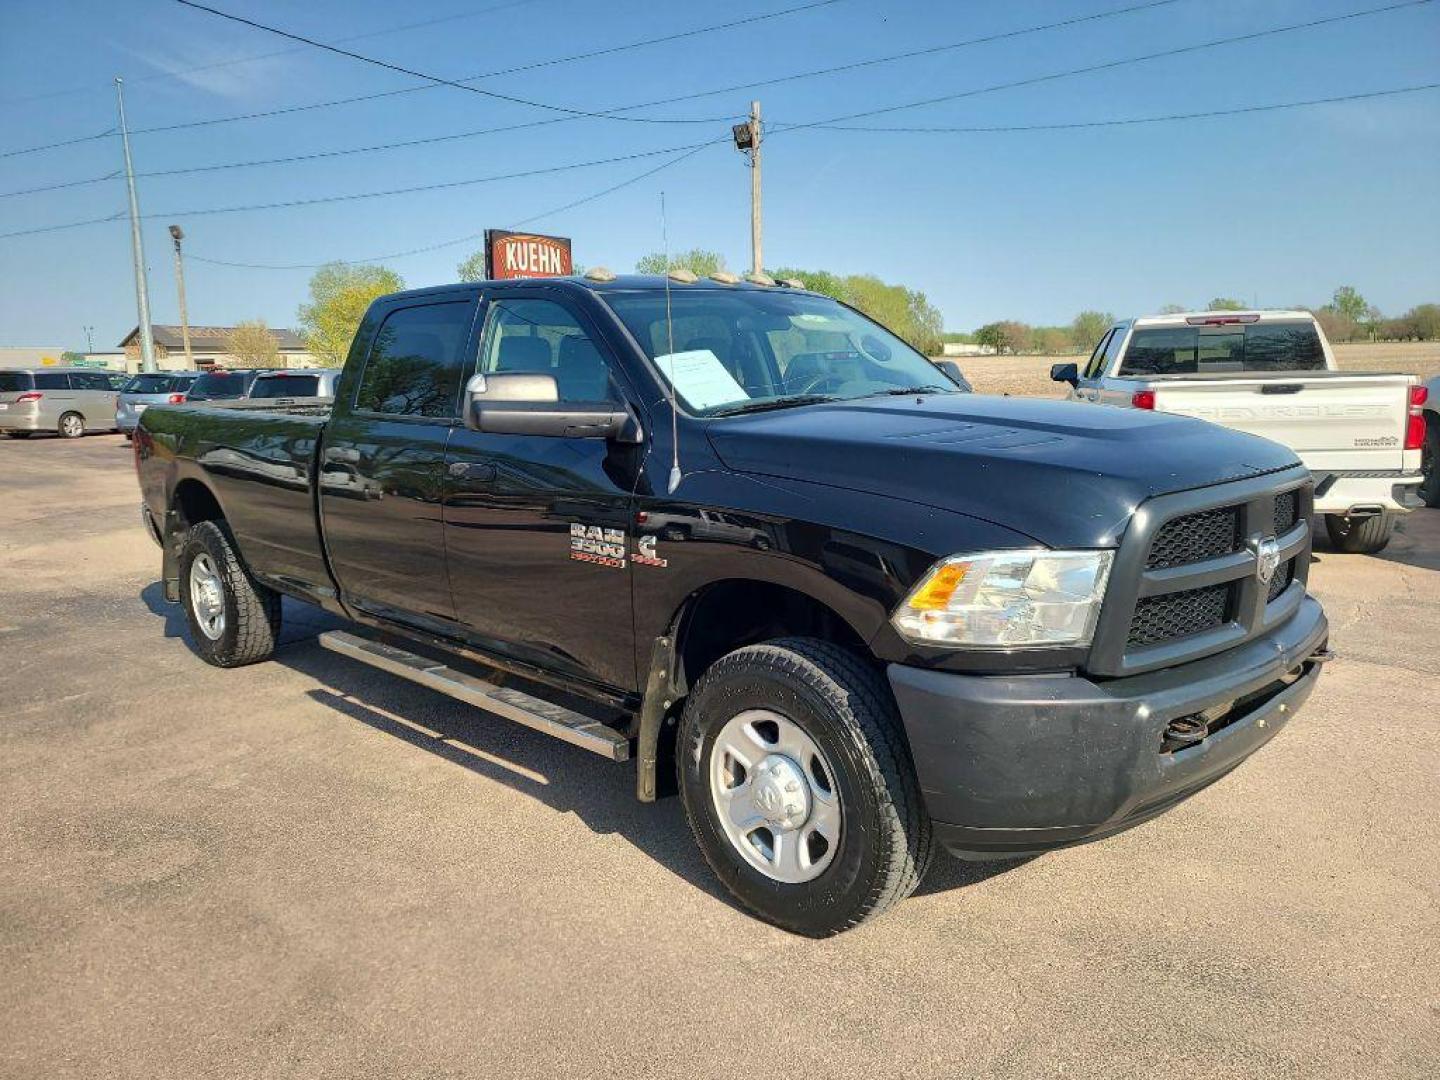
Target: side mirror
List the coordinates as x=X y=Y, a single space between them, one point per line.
x=952 y=369
x=526 y=403
x=1066 y=373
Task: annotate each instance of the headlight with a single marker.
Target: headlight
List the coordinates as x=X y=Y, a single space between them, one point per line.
x=1007 y=600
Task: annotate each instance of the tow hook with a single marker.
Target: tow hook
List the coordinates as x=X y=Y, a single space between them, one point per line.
x=1187 y=730
x=1322 y=656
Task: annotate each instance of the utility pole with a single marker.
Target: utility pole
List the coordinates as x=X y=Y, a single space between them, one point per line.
x=747 y=140
x=137 y=246
x=177 y=234
x=89 y=339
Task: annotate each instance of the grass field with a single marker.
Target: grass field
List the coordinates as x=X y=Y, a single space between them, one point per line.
x=1029 y=376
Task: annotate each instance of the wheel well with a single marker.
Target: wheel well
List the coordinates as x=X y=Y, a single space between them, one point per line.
x=731 y=614
x=193 y=502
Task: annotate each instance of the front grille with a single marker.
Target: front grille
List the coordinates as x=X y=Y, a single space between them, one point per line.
x=1195 y=537
x=1286 y=508
x=1179 y=614
x=1281 y=580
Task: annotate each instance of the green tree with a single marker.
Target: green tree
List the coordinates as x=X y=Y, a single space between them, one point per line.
x=339 y=294
x=1226 y=303
x=698 y=261
x=253 y=345
x=72 y=359
x=473 y=268
x=1350 y=304
x=1172 y=309
x=821 y=281
x=1089 y=327
x=1425 y=320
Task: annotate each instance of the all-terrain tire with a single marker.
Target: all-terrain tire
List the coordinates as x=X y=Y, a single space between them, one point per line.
x=251 y=610
x=1360 y=535
x=845 y=707
x=1430 y=461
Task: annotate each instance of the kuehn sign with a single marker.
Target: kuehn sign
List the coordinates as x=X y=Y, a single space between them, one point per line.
x=526 y=255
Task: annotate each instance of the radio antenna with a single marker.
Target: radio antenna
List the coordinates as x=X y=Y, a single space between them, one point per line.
x=670 y=336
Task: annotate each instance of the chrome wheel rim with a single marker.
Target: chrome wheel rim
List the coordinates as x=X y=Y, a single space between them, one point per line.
x=72 y=426
x=776 y=796
x=207 y=597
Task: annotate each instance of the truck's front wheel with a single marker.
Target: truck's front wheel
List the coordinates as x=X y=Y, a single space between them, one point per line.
x=234 y=620
x=1360 y=535
x=799 y=787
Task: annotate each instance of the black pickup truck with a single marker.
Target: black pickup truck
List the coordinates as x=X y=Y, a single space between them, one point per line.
x=748 y=538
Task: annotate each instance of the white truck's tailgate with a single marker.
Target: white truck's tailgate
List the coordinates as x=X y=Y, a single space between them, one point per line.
x=1337 y=421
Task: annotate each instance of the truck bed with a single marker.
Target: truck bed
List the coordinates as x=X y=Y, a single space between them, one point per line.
x=259 y=461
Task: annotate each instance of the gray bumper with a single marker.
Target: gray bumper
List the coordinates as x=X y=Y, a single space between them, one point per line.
x=1024 y=763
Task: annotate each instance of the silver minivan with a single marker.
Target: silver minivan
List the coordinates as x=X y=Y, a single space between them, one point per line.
x=146 y=389
x=67 y=401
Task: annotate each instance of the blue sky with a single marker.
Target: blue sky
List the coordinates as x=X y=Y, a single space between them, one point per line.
x=1278 y=207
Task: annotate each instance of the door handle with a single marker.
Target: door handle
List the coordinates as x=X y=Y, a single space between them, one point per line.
x=473 y=471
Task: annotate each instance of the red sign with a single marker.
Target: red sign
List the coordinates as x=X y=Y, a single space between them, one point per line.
x=526 y=255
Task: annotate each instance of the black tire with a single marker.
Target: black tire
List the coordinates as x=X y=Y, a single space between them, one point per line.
x=1430 y=461
x=71 y=426
x=251 y=610
x=846 y=708
x=19 y=434
x=1360 y=535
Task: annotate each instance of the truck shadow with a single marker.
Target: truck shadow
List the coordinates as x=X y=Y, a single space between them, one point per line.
x=1416 y=542
x=562 y=777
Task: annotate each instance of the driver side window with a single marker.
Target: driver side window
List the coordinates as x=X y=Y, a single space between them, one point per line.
x=1096 y=361
x=542 y=337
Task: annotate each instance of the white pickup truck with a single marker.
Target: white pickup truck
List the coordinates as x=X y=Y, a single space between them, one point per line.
x=1272 y=373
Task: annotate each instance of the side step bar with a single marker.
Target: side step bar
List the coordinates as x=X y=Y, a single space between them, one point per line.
x=566 y=724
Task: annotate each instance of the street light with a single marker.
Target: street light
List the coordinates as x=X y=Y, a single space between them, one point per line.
x=177 y=234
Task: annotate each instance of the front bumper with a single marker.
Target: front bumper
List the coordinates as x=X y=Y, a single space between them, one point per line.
x=1367 y=493
x=1014 y=764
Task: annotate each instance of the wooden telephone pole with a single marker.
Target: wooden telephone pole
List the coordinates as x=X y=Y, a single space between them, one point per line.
x=747 y=141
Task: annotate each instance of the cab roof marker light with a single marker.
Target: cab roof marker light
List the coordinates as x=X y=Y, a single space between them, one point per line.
x=683 y=276
x=792 y=283
x=599 y=273
x=724 y=277
x=759 y=279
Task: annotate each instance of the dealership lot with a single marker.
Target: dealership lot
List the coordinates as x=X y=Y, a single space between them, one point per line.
x=309 y=868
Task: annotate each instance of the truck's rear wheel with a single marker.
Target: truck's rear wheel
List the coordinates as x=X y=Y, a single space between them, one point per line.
x=234 y=620
x=71 y=426
x=1360 y=535
x=799 y=787
x=1430 y=461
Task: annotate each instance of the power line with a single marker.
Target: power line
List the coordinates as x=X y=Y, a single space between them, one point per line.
x=57 y=187
x=67 y=225
x=471 y=237
x=290 y=110
x=436 y=79
x=1207 y=114
x=234 y=61
x=1107 y=65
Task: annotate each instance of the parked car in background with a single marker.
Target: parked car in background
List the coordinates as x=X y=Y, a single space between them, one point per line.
x=67 y=401
x=1272 y=373
x=1430 y=451
x=223 y=385
x=141 y=391
x=288 y=384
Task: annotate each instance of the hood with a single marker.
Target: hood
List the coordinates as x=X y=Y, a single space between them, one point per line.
x=1067 y=474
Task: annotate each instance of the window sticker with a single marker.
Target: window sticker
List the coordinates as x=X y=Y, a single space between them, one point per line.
x=700 y=378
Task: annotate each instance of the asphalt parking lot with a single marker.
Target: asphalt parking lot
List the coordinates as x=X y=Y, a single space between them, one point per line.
x=311 y=869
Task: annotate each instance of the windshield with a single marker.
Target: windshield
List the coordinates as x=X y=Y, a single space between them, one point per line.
x=1189 y=350
x=148 y=384
x=215 y=385
x=274 y=386
x=747 y=349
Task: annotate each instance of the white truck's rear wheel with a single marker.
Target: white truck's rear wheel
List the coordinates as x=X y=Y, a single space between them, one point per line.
x=1360 y=535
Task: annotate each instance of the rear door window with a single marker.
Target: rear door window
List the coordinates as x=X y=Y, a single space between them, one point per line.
x=416 y=362
x=51 y=380
x=90 y=380
x=16 y=382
